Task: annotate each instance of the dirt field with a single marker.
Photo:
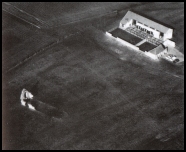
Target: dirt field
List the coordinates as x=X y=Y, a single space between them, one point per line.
x=111 y=101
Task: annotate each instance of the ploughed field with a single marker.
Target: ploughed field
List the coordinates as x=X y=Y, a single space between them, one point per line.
x=110 y=101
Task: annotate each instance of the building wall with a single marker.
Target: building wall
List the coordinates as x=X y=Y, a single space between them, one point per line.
x=129 y=23
x=109 y=34
x=155 y=33
x=152 y=56
x=162 y=53
x=169 y=43
x=168 y=34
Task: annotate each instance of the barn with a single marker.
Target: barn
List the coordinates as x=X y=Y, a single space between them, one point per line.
x=152 y=28
x=146 y=35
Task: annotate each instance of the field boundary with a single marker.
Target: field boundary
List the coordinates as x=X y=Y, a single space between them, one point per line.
x=86 y=18
x=31 y=56
x=38 y=23
x=21 y=19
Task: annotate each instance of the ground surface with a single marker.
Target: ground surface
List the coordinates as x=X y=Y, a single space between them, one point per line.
x=112 y=96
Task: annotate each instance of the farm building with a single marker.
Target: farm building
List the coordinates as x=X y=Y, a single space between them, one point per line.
x=143 y=34
x=157 y=52
x=150 y=27
x=160 y=49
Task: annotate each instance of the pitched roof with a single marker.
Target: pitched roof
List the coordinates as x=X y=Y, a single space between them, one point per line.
x=139 y=18
x=158 y=49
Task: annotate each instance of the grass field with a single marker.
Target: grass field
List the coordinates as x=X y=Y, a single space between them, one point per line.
x=17 y=38
x=62 y=12
x=112 y=101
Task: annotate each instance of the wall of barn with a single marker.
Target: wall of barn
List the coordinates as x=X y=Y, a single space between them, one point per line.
x=155 y=33
x=129 y=23
x=168 y=34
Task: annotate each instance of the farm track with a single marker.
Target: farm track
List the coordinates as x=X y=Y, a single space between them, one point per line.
x=22 y=19
x=31 y=56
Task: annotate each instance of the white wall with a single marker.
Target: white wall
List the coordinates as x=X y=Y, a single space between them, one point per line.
x=109 y=34
x=169 y=43
x=152 y=56
x=162 y=53
x=168 y=34
x=120 y=26
x=156 y=33
x=129 y=23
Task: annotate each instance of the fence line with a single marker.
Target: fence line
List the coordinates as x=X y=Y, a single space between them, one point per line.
x=26 y=59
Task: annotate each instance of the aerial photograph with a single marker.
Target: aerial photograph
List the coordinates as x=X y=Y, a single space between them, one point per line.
x=92 y=75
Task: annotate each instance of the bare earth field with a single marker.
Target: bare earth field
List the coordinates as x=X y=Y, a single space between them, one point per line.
x=111 y=100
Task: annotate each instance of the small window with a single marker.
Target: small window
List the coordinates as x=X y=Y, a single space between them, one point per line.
x=161 y=34
x=134 y=22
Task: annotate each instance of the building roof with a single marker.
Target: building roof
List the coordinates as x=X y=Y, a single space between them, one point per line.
x=139 y=18
x=157 y=50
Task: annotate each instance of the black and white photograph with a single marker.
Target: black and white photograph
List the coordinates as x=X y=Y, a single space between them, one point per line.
x=92 y=75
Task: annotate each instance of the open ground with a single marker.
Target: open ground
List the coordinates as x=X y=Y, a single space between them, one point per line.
x=112 y=101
